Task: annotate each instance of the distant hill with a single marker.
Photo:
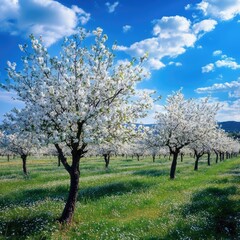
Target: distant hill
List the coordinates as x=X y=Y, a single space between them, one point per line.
x=230 y=126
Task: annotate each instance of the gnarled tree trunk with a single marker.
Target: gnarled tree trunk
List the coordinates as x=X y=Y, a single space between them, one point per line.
x=216 y=156
x=208 y=158
x=74 y=173
x=69 y=208
x=106 y=159
x=197 y=155
x=59 y=161
x=196 y=162
x=174 y=164
x=24 y=163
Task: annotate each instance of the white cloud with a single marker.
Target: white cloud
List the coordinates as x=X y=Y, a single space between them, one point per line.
x=221 y=9
x=177 y=64
x=204 y=26
x=155 y=64
x=171 y=37
x=217 y=52
x=208 y=68
x=10 y=98
x=232 y=88
x=229 y=111
x=187 y=7
x=47 y=18
x=227 y=62
x=126 y=28
x=111 y=7
x=150 y=118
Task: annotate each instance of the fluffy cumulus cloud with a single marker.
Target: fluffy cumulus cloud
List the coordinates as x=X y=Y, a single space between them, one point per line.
x=232 y=88
x=228 y=63
x=111 y=7
x=171 y=37
x=229 y=111
x=222 y=9
x=126 y=28
x=208 y=68
x=225 y=61
x=204 y=26
x=48 y=18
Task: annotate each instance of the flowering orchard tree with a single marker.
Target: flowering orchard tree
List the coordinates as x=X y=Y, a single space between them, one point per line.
x=223 y=144
x=15 y=138
x=75 y=97
x=184 y=122
x=151 y=146
x=200 y=147
x=106 y=150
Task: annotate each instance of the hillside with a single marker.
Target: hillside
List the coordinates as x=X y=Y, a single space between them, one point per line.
x=230 y=126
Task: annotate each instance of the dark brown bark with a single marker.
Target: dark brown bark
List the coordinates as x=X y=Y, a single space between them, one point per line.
x=216 y=156
x=106 y=159
x=59 y=161
x=153 y=157
x=24 y=163
x=208 y=158
x=174 y=164
x=182 y=157
x=8 y=158
x=69 y=208
x=74 y=172
x=197 y=156
x=196 y=163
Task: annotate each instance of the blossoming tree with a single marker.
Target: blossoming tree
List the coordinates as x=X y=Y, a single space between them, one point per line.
x=74 y=97
x=15 y=138
x=183 y=122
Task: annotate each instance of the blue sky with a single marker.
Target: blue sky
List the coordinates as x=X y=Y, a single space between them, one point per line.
x=192 y=45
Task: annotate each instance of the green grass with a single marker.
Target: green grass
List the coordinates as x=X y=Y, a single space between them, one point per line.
x=131 y=200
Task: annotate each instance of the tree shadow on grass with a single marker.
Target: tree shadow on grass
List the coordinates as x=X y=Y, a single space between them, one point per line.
x=211 y=214
x=30 y=196
x=37 y=227
x=127 y=160
x=152 y=173
x=117 y=188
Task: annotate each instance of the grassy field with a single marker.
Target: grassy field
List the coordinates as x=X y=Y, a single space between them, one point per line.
x=132 y=200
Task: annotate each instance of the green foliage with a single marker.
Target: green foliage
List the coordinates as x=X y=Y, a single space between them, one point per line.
x=131 y=200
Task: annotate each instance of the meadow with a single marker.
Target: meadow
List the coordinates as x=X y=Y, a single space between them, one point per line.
x=131 y=200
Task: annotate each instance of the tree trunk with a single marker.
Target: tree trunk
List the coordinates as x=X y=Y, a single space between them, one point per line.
x=8 y=158
x=153 y=157
x=74 y=173
x=174 y=165
x=24 y=162
x=208 y=159
x=216 y=157
x=196 y=162
x=182 y=157
x=69 y=208
x=59 y=161
x=137 y=157
x=107 y=160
